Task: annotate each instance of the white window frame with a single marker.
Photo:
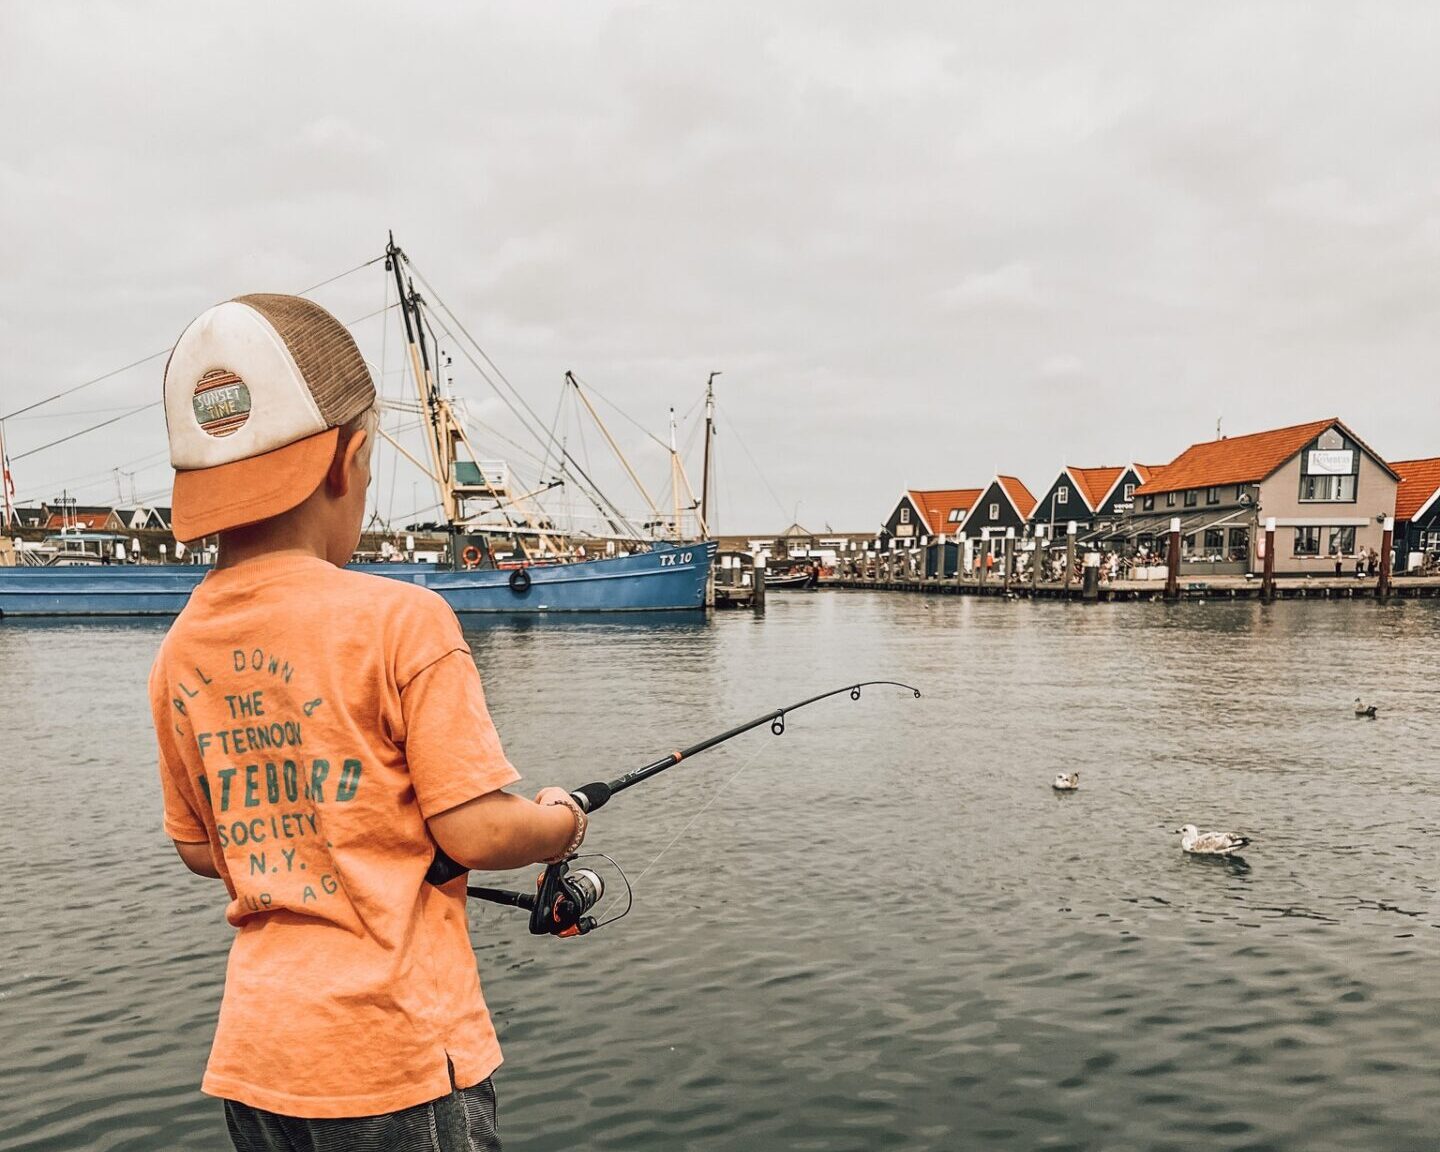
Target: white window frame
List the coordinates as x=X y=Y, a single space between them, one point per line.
x=995 y=511
x=905 y=514
x=1062 y=494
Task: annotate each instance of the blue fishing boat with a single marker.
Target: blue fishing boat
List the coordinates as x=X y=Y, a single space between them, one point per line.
x=665 y=578
x=504 y=553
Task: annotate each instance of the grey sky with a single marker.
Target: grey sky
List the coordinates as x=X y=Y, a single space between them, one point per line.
x=923 y=241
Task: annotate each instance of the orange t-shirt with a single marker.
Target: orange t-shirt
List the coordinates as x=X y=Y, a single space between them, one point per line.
x=310 y=719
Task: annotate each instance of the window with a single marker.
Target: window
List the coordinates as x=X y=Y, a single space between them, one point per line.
x=1169 y=499
x=1214 y=539
x=1149 y=503
x=1307 y=541
x=1432 y=541
x=1188 y=543
x=1212 y=495
x=1192 y=497
x=904 y=515
x=1129 y=493
x=1335 y=489
x=1062 y=495
x=955 y=514
x=1239 y=544
x=1342 y=542
x=994 y=511
x=1239 y=491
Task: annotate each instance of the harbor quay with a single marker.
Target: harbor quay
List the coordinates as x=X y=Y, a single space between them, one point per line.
x=1306 y=511
x=902 y=570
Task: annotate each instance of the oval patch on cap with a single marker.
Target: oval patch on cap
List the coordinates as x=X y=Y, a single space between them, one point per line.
x=221 y=402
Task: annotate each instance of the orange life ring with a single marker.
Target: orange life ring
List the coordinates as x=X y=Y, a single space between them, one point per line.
x=471 y=556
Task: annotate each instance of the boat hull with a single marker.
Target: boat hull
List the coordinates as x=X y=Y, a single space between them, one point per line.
x=666 y=578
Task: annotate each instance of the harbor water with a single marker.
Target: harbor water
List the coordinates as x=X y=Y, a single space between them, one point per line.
x=883 y=931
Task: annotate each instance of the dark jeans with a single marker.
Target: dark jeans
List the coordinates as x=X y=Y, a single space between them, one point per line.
x=463 y=1121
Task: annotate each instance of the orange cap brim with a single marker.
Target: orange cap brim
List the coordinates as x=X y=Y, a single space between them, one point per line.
x=210 y=500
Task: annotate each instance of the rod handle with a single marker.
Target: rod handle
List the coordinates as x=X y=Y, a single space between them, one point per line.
x=592 y=796
x=443 y=869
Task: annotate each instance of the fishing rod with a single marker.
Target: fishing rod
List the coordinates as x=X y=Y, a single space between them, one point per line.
x=563 y=896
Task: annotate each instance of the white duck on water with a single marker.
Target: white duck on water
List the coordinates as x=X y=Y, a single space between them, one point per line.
x=1066 y=782
x=1365 y=710
x=1198 y=843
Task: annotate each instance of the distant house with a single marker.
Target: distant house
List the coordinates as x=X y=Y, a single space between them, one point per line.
x=930 y=512
x=1095 y=499
x=1327 y=491
x=144 y=518
x=1417 y=512
x=1005 y=503
x=31 y=515
x=87 y=517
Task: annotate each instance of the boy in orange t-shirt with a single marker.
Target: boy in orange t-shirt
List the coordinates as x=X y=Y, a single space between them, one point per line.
x=320 y=732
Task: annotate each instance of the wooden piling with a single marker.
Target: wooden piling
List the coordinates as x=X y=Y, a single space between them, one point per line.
x=1172 y=562
x=757 y=602
x=1072 y=529
x=1387 y=549
x=1267 y=581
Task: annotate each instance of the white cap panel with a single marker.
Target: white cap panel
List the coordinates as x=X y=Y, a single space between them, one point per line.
x=251 y=394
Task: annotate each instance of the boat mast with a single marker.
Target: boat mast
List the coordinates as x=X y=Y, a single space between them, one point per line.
x=439 y=445
x=7 y=485
x=674 y=475
x=705 y=473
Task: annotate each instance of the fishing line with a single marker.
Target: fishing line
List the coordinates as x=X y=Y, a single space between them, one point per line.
x=691 y=822
x=563 y=897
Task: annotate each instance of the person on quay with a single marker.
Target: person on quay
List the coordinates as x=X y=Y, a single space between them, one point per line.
x=320 y=732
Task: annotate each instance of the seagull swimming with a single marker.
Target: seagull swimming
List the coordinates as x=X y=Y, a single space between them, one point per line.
x=1368 y=712
x=1066 y=782
x=1199 y=843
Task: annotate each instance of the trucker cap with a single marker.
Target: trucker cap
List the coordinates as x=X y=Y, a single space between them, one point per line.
x=256 y=390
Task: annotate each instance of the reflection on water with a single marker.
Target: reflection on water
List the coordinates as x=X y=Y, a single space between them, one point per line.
x=886 y=930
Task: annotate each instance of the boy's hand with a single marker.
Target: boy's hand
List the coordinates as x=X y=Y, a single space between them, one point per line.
x=553 y=796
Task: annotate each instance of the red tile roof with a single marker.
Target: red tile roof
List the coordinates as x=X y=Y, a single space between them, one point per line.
x=94 y=521
x=936 y=504
x=1019 y=495
x=1095 y=483
x=1148 y=472
x=1234 y=460
x=1419 y=480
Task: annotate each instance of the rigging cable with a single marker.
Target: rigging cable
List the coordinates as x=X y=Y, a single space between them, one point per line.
x=133 y=411
x=156 y=355
x=583 y=479
x=534 y=416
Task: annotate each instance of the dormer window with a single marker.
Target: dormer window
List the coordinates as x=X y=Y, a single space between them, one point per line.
x=955 y=515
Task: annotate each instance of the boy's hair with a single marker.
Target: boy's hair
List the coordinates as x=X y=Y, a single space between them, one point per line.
x=257 y=391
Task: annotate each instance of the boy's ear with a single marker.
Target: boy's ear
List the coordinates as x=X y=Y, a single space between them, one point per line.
x=346 y=451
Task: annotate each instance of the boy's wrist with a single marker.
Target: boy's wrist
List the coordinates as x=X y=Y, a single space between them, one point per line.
x=579 y=823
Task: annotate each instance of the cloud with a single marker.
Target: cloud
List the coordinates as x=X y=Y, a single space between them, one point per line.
x=889 y=226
